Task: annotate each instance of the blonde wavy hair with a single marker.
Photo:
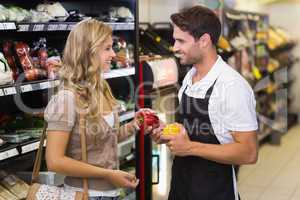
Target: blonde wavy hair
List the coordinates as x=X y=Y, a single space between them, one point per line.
x=81 y=70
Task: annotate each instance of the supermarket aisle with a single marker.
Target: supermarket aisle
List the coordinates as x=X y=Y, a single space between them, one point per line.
x=276 y=176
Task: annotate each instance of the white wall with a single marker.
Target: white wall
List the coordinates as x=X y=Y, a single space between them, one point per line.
x=248 y=5
x=157 y=10
x=161 y=10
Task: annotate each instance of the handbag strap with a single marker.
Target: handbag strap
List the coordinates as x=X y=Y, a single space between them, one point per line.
x=38 y=160
x=82 y=131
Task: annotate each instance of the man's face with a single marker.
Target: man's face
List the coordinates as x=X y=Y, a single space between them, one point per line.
x=186 y=47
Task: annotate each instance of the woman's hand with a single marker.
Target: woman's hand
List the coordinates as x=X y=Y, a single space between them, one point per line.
x=157 y=133
x=122 y=179
x=139 y=120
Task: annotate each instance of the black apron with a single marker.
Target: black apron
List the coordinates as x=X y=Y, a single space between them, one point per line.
x=195 y=178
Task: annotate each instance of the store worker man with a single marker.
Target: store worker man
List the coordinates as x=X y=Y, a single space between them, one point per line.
x=217 y=114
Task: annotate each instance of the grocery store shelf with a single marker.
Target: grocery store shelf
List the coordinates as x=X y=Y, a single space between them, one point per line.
x=262 y=136
x=127 y=115
x=6 y=90
x=9 y=153
x=7 y=26
x=19 y=149
x=119 y=73
x=122 y=26
x=56 y=26
x=28 y=87
x=51 y=26
x=13 y=150
x=30 y=147
x=284 y=47
x=130 y=196
x=39 y=86
x=125 y=147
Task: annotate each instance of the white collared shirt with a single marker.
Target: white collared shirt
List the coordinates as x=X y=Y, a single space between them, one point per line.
x=232 y=102
x=231 y=105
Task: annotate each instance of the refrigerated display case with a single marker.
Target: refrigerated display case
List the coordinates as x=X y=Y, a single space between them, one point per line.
x=44 y=26
x=160 y=78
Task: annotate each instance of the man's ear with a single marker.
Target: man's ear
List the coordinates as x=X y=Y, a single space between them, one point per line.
x=204 y=41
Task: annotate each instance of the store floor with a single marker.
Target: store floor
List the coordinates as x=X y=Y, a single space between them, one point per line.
x=276 y=175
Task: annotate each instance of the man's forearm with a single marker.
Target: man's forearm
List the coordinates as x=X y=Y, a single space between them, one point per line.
x=233 y=153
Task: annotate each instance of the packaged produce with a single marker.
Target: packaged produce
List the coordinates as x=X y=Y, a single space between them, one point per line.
x=6 y=195
x=22 y=50
x=9 y=56
x=5 y=72
x=14 y=185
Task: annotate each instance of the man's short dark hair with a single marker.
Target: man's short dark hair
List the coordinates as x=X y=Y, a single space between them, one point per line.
x=197 y=21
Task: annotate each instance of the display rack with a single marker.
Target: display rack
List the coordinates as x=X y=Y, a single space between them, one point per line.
x=57 y=32
x=247 y=34
x=56 y=26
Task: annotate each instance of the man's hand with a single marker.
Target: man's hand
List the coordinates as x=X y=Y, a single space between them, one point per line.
x=179 y=144
x=157 y=133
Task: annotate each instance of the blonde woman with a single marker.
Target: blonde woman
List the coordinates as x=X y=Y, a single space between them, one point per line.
x=87 y=54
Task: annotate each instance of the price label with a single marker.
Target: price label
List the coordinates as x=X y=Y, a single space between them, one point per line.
x=52 y=27
x=122 y=26
x=113 y=26
x=38 y=27
x=23 y=27
x=1 y=92
x=131 y=26
x=70 y=27
x=30 y=147
x=4 y=26
x=125 y=26
x=7 y=26
x=26 y=88
x=62 y=27
x=8 y=154
x=127 y=116
x=10 y=91
x=45 y=85
x=12 y=26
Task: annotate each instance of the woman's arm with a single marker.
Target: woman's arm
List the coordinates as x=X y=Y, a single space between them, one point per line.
x=57 y=142
x=61 y=116
x=126 y=131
